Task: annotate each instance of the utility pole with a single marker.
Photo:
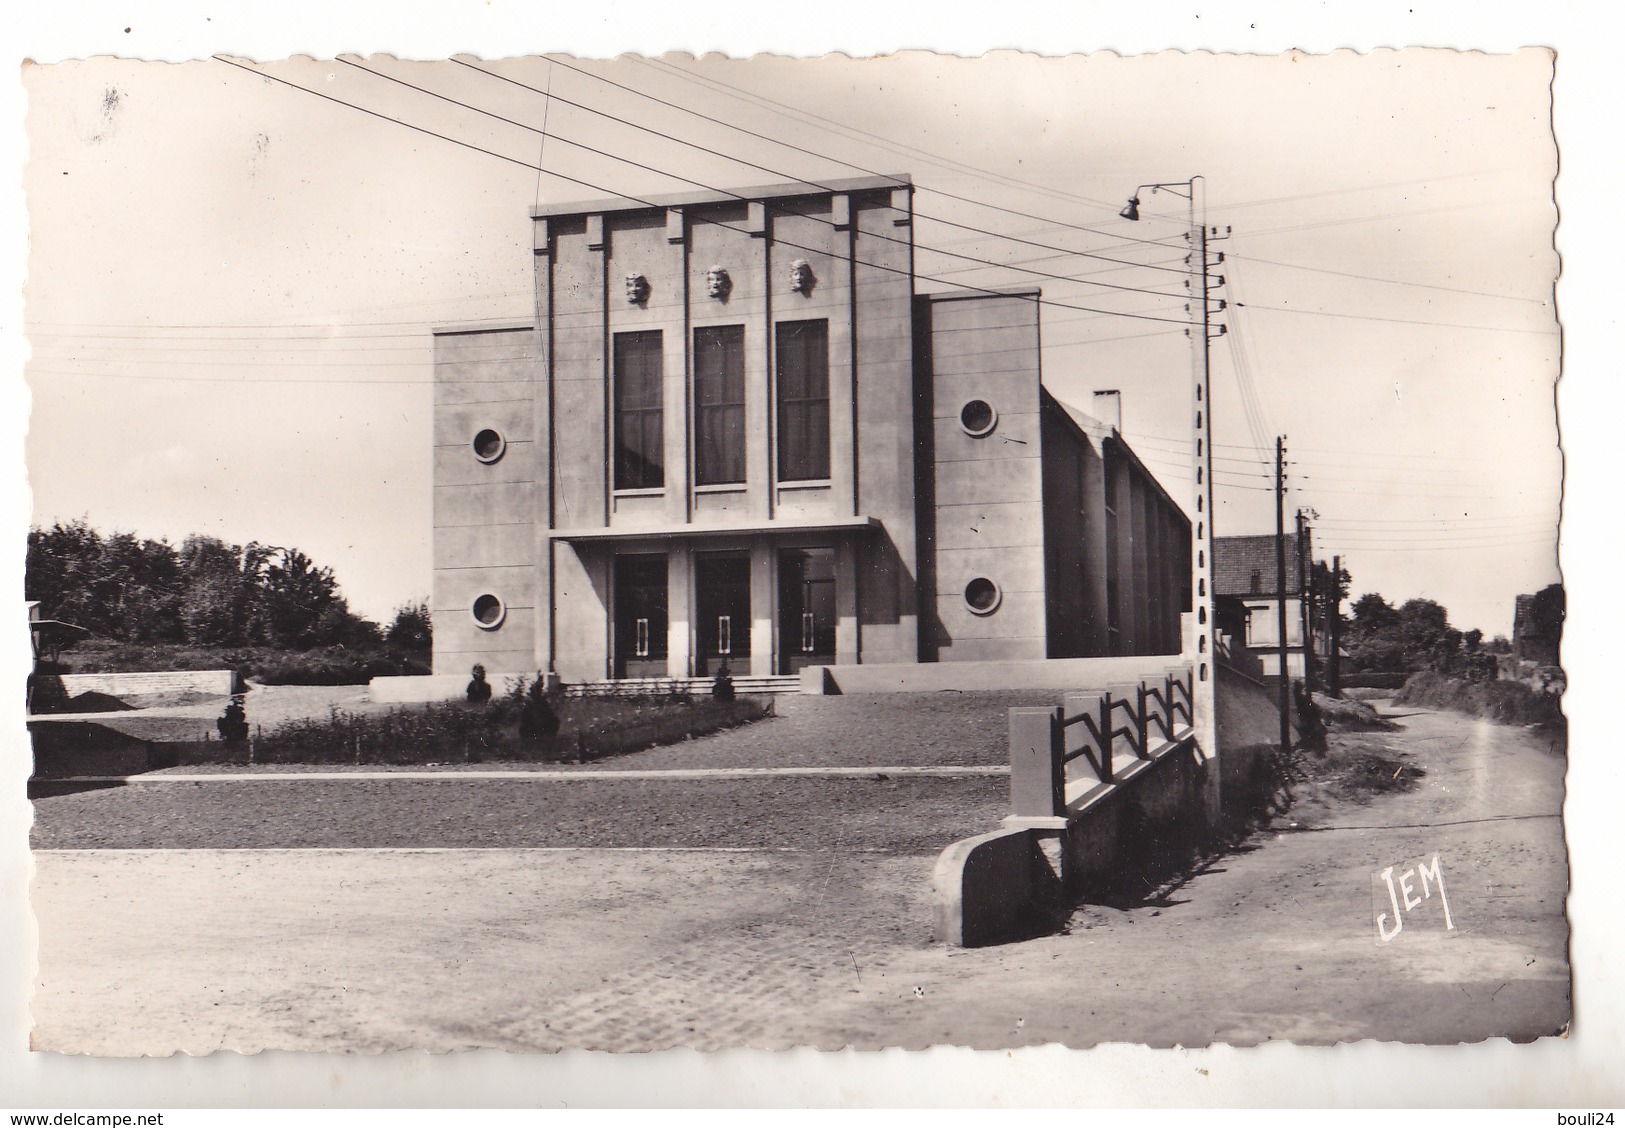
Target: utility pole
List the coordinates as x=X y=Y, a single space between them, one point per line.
x=1334 y=629
x=1305 y=598
x=1280 y=593
x=1198 y=644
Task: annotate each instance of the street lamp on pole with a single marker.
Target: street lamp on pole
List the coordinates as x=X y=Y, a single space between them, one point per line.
x=1198 y=645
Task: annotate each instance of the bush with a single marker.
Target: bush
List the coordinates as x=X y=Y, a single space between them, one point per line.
x=328 y=665
x=1391 y=680
x=511 y=727
x=722 y=688
x=1505 y=702
x=1349 y=714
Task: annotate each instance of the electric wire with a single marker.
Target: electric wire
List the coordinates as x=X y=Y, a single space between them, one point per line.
x=646 y=203
x=810 y=183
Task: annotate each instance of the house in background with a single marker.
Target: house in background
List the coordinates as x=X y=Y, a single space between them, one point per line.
x=1247 y=599
x=1537 y=626
x=737 y=434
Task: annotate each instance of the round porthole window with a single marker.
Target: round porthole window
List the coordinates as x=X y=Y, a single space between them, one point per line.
x=978 y=418
x=488 y=612
x=982 y=596
x=489 y=445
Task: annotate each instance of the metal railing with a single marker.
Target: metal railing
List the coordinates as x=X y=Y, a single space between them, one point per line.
x=1060 y=754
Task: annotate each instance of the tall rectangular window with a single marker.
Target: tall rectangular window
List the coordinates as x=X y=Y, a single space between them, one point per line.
x=719 y=404
x=639 y=403
x=803 y=400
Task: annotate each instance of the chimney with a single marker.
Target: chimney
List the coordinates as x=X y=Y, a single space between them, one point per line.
x=1109 y=408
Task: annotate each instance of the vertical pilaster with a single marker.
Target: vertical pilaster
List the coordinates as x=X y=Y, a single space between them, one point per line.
x=763 y=606
x=761 y=380
x=675 y=347
x=542 y=421
x=680 y=611
x=843 y=365
x=848 y=643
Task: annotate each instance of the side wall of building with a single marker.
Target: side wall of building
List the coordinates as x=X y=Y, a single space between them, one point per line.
x=987 y=513
x=484 y=505
x=1074 y=539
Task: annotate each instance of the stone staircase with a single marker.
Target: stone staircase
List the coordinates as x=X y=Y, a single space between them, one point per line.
x=745 y=685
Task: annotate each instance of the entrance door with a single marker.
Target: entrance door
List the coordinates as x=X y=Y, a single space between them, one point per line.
x=640 y=617
x=806 y=608
x=722 y=599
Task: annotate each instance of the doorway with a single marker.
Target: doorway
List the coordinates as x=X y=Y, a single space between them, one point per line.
x=640 y=617
x=806 y=608
x=722 y=599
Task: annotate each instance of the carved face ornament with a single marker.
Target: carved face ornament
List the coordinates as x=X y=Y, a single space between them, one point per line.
x=717 y=282
x=801 y=276
x=637 y=289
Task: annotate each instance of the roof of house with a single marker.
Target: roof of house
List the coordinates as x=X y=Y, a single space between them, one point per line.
x=1235 y=559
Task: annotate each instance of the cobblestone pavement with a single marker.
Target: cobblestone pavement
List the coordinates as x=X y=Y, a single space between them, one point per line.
x=822 y=941
x=878 y=811
x=871 y=729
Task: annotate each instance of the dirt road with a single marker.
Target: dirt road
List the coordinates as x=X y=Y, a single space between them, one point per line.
x=824 y=941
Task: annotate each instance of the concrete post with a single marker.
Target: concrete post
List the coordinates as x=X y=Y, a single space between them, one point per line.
x=1078 y=736
x=1204 y=703
x=1037 y=776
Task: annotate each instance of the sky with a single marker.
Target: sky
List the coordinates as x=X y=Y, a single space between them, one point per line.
x=233 y=271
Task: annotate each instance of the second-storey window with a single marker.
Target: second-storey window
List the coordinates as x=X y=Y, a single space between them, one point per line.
x=639 y=399
x=803 y=400
x=719 y=404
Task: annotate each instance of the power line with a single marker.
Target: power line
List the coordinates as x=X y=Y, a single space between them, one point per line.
x=774 y=172
x=1387 y=281
x=874 y=138
x=1399 y=320
x=822 y=156
x=646 y=203
x=1376 y=218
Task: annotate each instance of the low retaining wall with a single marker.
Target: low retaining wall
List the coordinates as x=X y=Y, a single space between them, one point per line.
x=995 y=888
x=926 y=677
x=221 y=683
x=416 y=690
x=1141 y=822
x=74 y=748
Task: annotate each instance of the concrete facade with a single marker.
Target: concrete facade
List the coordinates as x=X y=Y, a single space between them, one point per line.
x=736 y=434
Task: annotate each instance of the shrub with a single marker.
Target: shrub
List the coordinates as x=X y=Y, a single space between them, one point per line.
x=1349 y=714
x=1505 y=702
x=513 y=726
x=1373 y=680
x=723 y=687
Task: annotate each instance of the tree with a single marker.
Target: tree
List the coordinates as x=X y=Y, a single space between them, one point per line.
x=1416 y=635
x=217 y=592
x=412 y=628
x=118 y=586
x=302 y=604
x=1372 y=615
